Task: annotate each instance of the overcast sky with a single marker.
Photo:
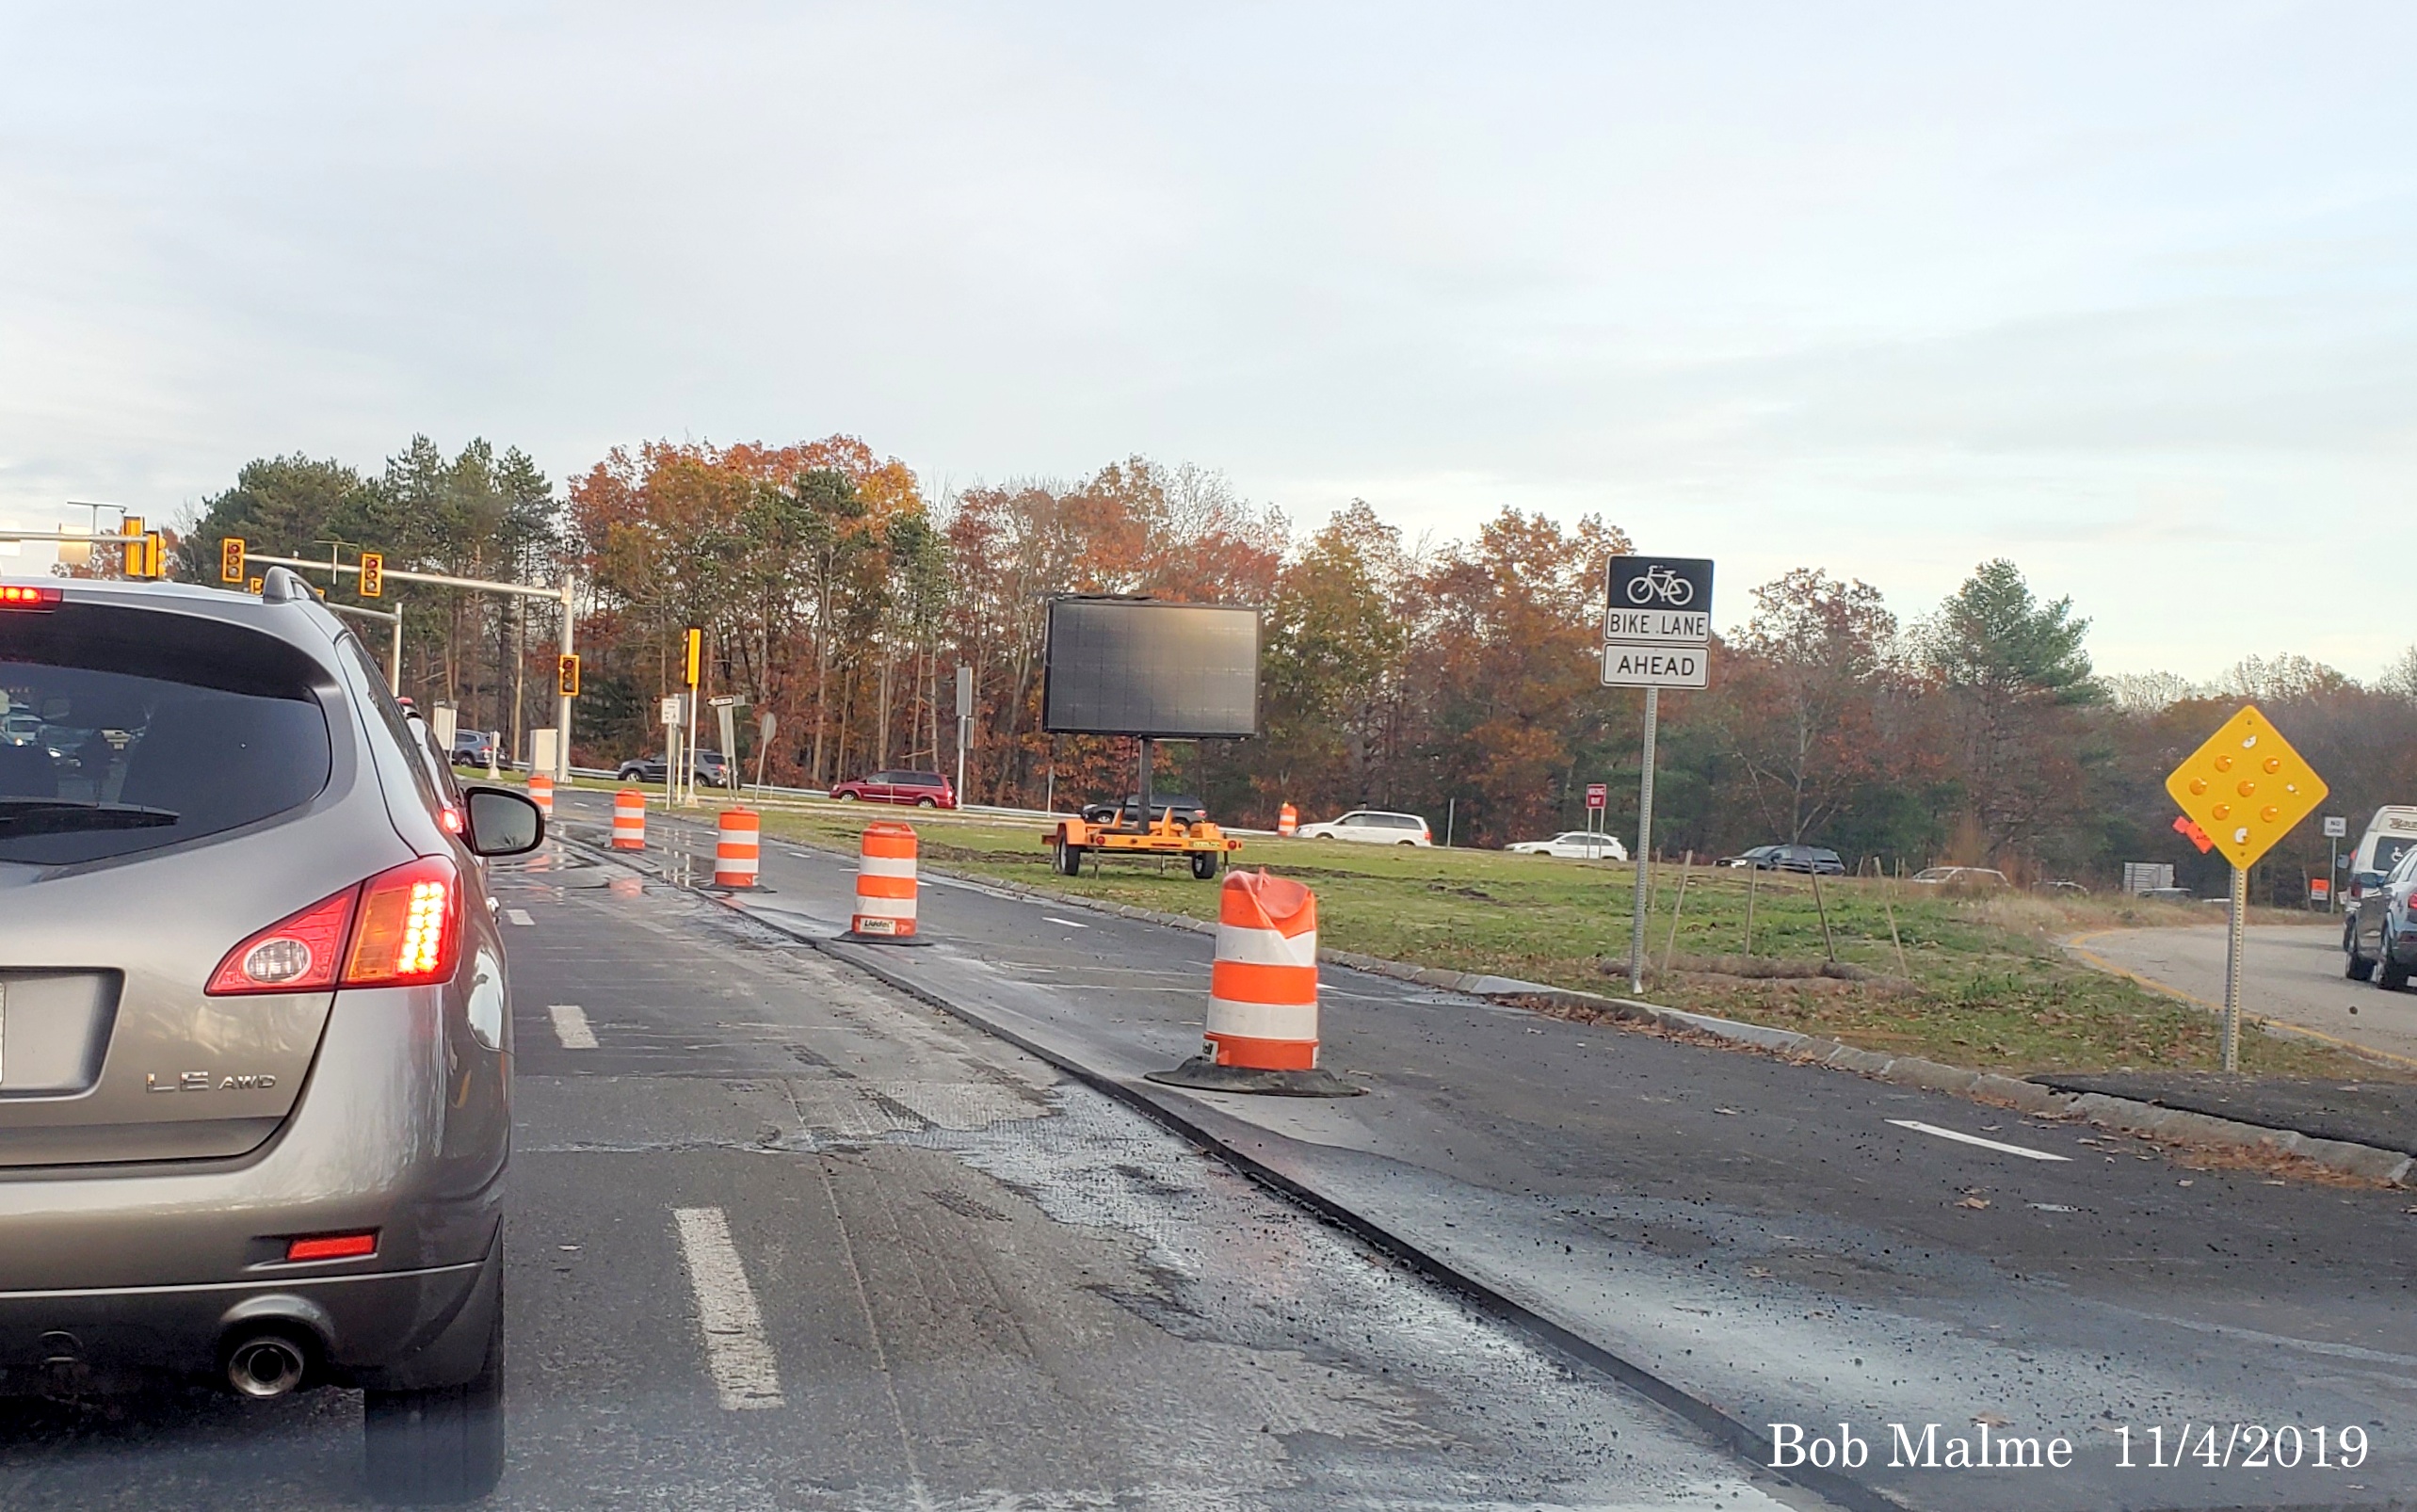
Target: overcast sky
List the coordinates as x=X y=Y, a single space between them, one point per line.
x=2122 y=292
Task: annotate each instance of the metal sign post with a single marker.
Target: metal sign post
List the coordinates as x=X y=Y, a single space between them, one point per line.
x=1644 y=857
x=670 y=709
x=965 y=723
x=2244 y=788
x=725 y=707
x=1656 y=633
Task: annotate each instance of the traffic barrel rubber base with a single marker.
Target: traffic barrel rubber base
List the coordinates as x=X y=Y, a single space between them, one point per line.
x=850 y=937
x=1201 y=1074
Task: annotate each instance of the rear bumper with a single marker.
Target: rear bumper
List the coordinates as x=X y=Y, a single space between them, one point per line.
x=403 y=1127
x=388 y=1329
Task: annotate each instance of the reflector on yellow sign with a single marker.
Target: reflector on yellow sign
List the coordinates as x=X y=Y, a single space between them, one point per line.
x=2245 y=787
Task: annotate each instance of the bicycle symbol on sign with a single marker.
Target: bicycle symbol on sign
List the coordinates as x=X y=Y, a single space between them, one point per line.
x=1664 y=584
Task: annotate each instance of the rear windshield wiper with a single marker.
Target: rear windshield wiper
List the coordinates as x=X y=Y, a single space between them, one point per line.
x=59 y=817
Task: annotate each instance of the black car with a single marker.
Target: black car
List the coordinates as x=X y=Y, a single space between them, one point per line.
x=1183 y=806
x=710 y=768
x=1807 y=859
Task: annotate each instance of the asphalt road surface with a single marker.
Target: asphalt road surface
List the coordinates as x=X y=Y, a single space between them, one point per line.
x=1786 y=1243
x=2292 y=972
x=786 y=1237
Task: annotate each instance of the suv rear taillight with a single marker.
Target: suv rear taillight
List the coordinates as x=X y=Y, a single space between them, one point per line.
x=25 y=596
x=404 y=925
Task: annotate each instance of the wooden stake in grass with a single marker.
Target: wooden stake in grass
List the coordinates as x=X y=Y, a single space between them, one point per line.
x=1829 y=945
x=1754 y=876
x=1671 y=946
x=1893 y=939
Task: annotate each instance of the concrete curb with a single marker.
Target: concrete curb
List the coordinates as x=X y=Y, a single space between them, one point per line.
x=2367 y=1162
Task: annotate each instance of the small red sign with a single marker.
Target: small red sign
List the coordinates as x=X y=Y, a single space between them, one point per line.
x=2319 y=889
x=1597 y=794
x=2188 y=828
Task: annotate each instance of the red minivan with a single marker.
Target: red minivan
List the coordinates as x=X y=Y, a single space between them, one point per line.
x=921 y=790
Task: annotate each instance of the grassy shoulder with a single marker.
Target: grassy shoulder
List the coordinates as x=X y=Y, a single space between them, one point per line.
x=1982 y=981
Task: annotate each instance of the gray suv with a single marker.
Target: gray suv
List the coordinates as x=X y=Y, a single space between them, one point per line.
x=255 y=1047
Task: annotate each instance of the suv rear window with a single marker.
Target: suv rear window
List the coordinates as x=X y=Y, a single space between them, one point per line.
x=126 y=730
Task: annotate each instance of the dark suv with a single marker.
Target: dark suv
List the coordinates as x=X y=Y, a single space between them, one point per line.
x=1807 y=859
x=476 y=747
x=2380 y=936
x=921 y=790
x=1183 y=808
x=253 y=1105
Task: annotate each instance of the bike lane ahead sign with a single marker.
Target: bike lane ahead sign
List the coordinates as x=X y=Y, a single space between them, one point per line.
x=1657 y=623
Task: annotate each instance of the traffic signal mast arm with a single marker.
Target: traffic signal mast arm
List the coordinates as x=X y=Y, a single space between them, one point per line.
x=561 y=593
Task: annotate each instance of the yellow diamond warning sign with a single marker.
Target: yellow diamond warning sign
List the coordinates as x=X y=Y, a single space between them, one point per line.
x=2245 y=787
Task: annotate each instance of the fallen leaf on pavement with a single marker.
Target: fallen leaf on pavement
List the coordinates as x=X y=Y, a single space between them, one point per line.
x=1973 y=1202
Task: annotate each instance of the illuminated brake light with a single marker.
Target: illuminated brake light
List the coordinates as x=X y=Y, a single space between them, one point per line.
x=409 y=927
x=333 y=1247
x=404 y=926
x=25 y=596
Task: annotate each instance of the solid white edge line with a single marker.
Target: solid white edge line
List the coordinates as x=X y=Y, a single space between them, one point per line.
x=745 y=1376
x=1920 y=1127
x=570 y=1025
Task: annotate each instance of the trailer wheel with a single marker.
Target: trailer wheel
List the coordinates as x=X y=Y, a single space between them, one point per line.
x=1204 y=863
x=1068 y=861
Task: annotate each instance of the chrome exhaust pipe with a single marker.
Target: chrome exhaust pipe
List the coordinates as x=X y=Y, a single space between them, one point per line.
x=266 y=1365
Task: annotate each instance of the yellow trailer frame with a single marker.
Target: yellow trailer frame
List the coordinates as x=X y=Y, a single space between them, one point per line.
x=1203 y=844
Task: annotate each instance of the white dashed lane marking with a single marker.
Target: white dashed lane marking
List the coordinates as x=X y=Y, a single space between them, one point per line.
x=519 y=916
x=1974 y=1139
x=745 y=1375
x=570 y=1025
x=1068 y=922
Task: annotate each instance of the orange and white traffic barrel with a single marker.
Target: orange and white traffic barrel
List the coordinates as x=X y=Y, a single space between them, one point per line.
x=629 y=820
x=1262 y=1031
x=1288 y=820
x=1263 y=989
x=737 y=847
x=541 y=792
x=885 y=883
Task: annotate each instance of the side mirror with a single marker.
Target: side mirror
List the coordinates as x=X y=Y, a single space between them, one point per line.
x=501 y=821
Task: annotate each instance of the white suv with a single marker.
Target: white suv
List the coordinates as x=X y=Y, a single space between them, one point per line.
x=1373 y=827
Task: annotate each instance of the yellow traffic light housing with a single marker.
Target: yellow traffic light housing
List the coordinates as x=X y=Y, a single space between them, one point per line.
x=696 y=662
x=566 y=676
x=231 y=559
x=373 y=575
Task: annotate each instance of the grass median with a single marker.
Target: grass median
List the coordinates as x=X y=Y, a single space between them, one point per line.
x=1972 y=979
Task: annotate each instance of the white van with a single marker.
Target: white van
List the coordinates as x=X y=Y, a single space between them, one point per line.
x=2391 y=835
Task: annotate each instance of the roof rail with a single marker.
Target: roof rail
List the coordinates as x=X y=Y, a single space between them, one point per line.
x=283 y=584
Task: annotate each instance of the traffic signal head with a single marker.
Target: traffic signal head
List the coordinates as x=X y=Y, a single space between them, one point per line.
x=231 y=559
x=696 y=653
x=373 y=575
x=567 y=675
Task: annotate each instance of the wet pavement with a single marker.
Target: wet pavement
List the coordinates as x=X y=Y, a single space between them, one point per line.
x=784 y=1237
x=1781 y=1243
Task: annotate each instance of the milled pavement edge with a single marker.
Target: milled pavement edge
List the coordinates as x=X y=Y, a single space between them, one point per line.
x=2126 y=1115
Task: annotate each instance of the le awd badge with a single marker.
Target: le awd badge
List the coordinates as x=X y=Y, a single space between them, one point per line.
x=208 y=1081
